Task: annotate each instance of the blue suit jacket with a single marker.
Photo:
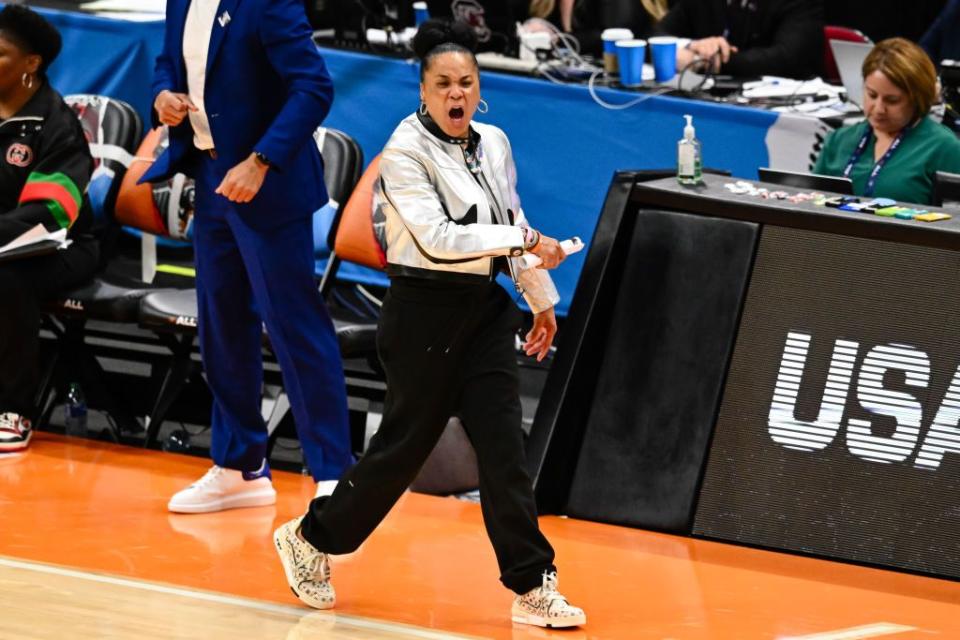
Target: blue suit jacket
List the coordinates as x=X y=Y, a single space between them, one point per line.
x=942 y=39
x=267 y=90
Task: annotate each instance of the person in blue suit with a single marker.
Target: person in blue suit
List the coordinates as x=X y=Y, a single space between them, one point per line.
x=942 y=39
x=242 y=88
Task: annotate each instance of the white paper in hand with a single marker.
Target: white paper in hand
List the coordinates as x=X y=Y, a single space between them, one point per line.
x=572 y=245
x=36 y=239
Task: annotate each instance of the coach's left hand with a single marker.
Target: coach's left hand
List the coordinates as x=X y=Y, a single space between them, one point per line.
x=243 y=182
x=541 y=335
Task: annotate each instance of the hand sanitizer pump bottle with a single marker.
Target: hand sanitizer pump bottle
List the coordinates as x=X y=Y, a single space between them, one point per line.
x=689 y=160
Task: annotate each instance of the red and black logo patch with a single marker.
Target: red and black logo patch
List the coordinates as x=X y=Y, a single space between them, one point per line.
x=19 y=155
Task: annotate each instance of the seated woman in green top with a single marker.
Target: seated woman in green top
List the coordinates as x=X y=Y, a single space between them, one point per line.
x=897 y=151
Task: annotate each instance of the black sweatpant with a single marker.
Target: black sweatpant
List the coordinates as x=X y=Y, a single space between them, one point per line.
x=24 y=285
x=447 y=349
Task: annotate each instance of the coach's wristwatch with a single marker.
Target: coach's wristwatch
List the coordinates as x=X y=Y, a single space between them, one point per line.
x=262 y=160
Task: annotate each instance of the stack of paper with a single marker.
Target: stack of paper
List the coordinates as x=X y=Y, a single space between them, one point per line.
x=37 y=241
x=775 y=87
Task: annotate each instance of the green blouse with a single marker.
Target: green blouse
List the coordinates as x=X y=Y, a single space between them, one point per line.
x=908 y=174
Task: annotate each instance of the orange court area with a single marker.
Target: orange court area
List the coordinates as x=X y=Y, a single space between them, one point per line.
x=90 y=551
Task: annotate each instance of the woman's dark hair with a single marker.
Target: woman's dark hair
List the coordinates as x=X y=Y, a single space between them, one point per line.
x=443 y=36
x=31 y=32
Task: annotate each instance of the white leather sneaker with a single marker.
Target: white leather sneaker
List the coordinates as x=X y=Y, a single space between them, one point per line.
x=325 y=488
x=221 y=489
x=307 y=569
x=545 y=607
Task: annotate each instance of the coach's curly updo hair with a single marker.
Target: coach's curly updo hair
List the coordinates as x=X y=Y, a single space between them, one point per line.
x=435 y=37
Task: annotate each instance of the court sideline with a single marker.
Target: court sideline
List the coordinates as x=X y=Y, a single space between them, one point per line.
x=89 y=551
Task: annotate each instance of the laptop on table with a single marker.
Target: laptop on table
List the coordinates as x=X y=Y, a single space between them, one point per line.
x=850 y=57
x=811 y=181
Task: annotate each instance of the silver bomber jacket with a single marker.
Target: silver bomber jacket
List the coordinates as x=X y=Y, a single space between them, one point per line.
x=439 y=217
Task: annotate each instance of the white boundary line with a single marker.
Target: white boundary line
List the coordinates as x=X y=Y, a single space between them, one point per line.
x=857 y=633
x=247 y=603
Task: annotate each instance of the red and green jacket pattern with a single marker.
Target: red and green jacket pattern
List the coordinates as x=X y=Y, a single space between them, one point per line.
x=45 y=167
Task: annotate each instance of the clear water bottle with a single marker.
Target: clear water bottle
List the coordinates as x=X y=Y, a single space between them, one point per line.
x=75 y=412
x=689 y=156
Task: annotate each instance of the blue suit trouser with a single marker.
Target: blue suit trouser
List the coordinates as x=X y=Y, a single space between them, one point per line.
x=247 y=279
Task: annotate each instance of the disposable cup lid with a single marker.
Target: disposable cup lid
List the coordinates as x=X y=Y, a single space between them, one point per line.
x=419 y=5
x=631 y=43
x=662 y=40
x=616 y=34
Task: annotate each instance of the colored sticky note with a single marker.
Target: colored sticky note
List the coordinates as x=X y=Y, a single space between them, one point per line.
x=890 y=211
x=933 y=217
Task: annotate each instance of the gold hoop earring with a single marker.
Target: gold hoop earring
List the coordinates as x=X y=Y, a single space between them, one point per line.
x=482 y=106
x=26 y=80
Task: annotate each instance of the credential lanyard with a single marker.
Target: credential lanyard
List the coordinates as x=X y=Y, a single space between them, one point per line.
x=858 y=152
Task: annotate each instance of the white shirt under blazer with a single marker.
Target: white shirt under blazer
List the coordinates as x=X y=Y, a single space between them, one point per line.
x=196 y=44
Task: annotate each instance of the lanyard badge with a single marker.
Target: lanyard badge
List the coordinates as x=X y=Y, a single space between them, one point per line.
x=862 y=146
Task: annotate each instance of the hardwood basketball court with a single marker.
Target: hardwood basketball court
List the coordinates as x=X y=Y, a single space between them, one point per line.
x=89 y=551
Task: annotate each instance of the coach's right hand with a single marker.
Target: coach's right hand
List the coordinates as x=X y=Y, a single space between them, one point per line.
x=549 y=251
x=172 y=107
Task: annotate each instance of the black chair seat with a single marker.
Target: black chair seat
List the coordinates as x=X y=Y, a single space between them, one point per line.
x=170 y=310
x=356 y=340
x=101 y=299
x=176 y=310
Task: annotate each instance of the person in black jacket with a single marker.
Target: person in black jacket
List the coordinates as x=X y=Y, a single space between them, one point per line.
x=45 y=166
x=749 y=37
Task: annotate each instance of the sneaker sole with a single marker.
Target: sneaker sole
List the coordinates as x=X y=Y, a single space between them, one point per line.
x=238 y=501
x=559 y=623
x=10 y=447
x=284 y=556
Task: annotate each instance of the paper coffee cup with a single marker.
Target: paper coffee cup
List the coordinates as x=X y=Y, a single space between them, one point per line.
x=630 y=57
x=610 y=38
x=663 y=55
x=420 y=12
